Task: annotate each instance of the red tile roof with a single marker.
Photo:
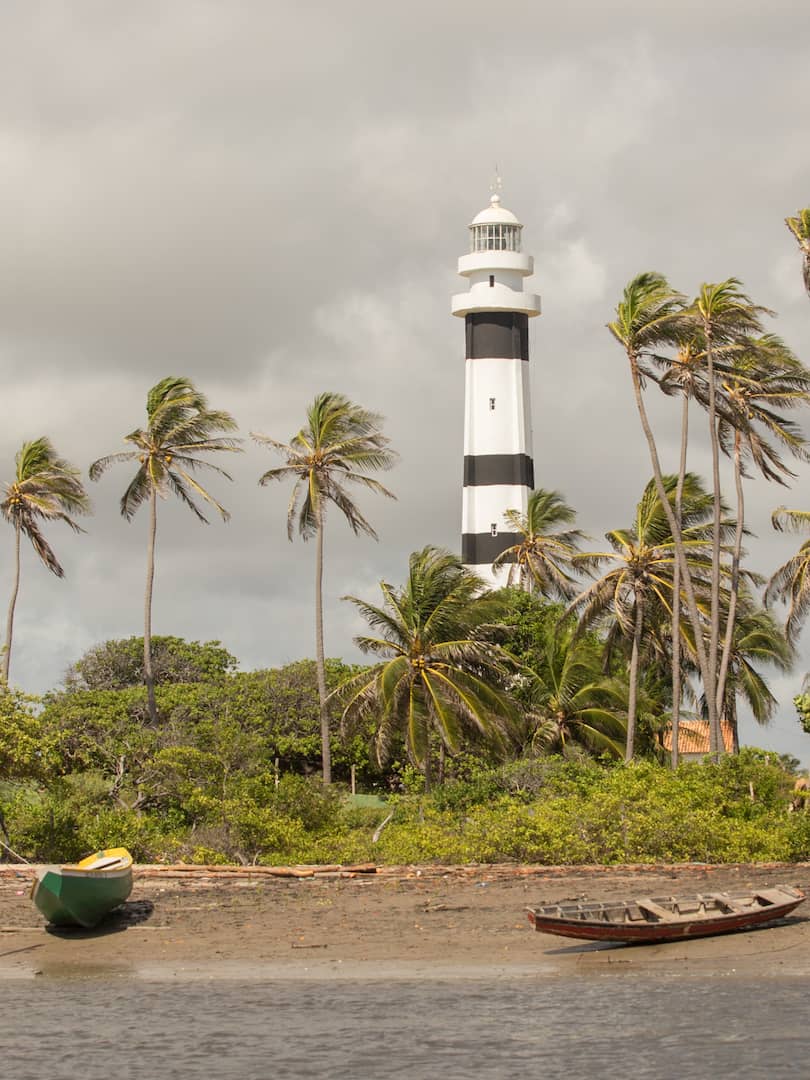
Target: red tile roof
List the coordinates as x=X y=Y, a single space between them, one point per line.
x=693 y=737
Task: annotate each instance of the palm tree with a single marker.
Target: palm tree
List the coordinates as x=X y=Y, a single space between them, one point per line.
x=724 y=314
x=541 y=561
x=800 y=227
x=683 y=374
x=571 y=702
x=762 y=378
x=45 y=488
x=758 y=640
x=637 y=591
x=179 y=427
x=338 y=445
x=756 y=378
x=441 y=672
x=650 y=317
x=791 y=582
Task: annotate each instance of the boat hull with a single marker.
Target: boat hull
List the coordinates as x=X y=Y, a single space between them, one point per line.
x=76 y=895
x=679 y=929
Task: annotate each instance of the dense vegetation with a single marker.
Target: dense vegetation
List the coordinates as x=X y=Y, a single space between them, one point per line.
x=231 y=773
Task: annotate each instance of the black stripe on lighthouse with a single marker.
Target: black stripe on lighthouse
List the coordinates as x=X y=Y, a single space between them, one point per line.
x=497 y=335
x=478 y=549
x=482 y=469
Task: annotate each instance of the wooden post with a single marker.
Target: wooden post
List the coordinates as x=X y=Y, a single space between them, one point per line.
x=354 y=786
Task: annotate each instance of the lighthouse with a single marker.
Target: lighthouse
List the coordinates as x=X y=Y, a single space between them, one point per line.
x=498 y=466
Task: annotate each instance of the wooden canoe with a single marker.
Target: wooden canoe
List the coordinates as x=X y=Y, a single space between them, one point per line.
x=667 y=918
x=82 y=893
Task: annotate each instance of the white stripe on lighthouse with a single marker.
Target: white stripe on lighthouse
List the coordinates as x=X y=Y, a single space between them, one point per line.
x=498 y=419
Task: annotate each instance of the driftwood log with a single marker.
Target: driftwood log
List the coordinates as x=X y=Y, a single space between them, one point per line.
x=426 y=872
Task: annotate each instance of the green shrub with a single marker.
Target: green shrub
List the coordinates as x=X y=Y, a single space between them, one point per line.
x=541 y=810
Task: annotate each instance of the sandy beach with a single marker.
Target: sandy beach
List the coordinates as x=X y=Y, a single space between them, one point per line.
x=399 y=922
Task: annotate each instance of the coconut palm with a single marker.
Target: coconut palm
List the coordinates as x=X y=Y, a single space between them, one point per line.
x=179 y=427
x=725 y=315
x=791 y=582
x=441 y=673
x=340 y=443
x=760 y=380
x=571 y=703
x=636 y=592
x=800 y=227
x=649 y=317
x=541 y=561
x=683 y=374
x=45 y=488
x=758 y=640
x=756 y=380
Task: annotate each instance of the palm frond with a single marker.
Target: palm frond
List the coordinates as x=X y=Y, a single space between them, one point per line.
x=177 y=474
x=42 y=548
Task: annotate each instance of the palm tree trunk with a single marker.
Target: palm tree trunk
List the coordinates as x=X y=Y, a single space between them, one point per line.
x=715 y=742
x=632 y=698
x=15 y=588
x=148 y=674
x=428 y=771
x=676 y=591
x=320 y=661
x=731 y=718
x=722 y=676
x=706 y=673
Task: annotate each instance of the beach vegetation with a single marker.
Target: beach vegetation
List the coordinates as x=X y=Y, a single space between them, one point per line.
x=442 y=675
x=45 y=488
x=758 y=641
x=26 y=749
x=338 y=446
x=569 y=702
x=635 y=596
x=714 y=352
x=230 y=774
x=180 y=427
x=790 y=583
x=799 y=225
x=118 y=664
x=542 y=561
x=726 y=317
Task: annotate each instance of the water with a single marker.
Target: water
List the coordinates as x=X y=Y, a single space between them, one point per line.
x=597 y=1027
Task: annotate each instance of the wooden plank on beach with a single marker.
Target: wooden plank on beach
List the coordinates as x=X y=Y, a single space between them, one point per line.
x=191 y=870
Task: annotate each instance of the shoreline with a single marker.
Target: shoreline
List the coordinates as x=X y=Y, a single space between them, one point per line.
x=396 y=923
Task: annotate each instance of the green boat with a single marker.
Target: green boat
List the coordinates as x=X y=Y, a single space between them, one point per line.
x=81 y=894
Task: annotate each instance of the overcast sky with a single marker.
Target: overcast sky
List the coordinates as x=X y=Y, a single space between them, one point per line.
x=270 y=199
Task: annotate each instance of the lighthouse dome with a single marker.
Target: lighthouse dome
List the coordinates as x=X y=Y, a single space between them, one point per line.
x=495 y=229
x=495 y=214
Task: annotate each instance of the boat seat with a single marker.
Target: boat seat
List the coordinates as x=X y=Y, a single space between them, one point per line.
x=771 y=896
x=103 y=864
x=730 y=905
x=661 y=913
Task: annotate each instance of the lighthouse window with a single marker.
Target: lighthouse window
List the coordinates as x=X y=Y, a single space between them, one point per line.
x=493 y=529
x=492 y=281
x=492 y=404
x=495 y=237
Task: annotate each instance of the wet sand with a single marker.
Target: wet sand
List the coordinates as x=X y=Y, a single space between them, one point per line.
x=397 y=923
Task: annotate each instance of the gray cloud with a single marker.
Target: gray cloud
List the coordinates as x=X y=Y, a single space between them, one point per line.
x=272 y=201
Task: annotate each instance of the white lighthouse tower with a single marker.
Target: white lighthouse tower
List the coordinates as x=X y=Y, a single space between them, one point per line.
x=498 y=466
